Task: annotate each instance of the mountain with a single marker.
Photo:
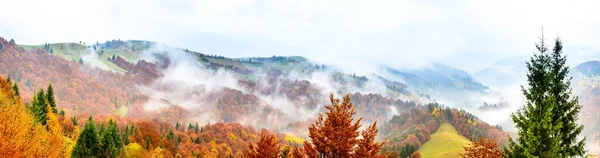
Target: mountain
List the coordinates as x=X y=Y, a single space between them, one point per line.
x=157 y=86
x=211 y=43
x=505 y=72
x=588 y=69
x=438 y=82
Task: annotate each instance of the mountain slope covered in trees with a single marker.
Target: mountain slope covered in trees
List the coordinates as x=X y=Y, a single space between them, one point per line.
x=216 y=109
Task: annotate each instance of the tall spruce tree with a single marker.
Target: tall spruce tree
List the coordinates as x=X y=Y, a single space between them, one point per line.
x=38 y=107
x=88 y=142
x=110 y=140
x=566 y=113
x=50 y=98
x=546 y=124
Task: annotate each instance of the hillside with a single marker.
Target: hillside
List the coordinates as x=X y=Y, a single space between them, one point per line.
x=173 y=86
x=445 y=142
x=439 y=82
x=588 y=69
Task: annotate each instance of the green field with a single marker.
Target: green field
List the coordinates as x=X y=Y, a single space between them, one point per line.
x=74 y=51
x=445 y=142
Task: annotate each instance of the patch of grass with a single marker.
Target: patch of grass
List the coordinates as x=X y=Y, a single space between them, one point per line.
x=445 y=142
x=74 y=51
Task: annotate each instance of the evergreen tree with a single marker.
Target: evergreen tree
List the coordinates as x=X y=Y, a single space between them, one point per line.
x=38 y=107
x=170 y=135
x=1 y=46
x=110 y=144
x=568 y=107
x=547 y=123
x=50 y=98
x=74 y=120
x=88 y=142
x=15 y=88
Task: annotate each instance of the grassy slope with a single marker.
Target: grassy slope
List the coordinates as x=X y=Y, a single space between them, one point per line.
x=74 y=51
x=445 y=142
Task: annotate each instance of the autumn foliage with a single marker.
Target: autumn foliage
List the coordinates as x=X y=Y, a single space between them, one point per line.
x=267 y=147
x=22 y=136
x=484 y=148
x=336 y=135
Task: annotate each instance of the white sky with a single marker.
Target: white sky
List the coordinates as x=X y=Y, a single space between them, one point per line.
x=468 y=34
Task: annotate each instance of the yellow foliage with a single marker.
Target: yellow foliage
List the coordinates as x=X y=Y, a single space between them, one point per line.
x=21 y=136
x=76 y=132
x=232 y=136
x=68 y=145
x=436 y=112
x=157 y=153
x=133 y=150
x=244 y=134
x=293 y=139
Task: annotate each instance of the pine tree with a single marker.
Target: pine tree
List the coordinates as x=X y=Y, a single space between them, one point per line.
x=38 y=107
x=50 y=98
x=547 y=123
x=568 y=107
x=15 y=88
x=75 y=121
x=171 y=135
x=110 y=144
x=88 y=142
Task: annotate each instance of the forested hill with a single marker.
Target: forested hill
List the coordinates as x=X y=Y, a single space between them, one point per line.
x=175 y=101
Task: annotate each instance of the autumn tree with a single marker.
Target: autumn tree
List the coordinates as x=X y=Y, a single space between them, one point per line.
x=267 y=147
x=484 y=148
x=367 y=147
x=21 y=135
x=417 y=154
x=337 y=134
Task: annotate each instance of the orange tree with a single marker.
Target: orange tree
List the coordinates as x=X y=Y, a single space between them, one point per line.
x=336 y=135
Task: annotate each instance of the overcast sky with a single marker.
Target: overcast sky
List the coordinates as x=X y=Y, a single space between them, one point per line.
x=356 y=35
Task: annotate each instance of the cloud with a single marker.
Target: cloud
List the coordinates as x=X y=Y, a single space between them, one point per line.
x=92 y=59
x=400 y=33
